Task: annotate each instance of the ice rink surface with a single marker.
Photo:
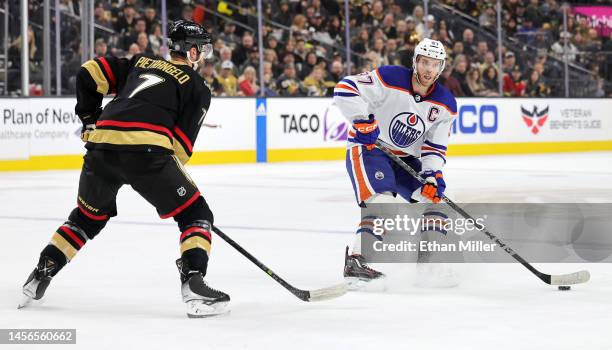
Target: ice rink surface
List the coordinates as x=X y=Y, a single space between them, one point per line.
x=122 y=291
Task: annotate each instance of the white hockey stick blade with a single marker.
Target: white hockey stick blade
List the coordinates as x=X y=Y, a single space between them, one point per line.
x=328 y=293
x=571 y=278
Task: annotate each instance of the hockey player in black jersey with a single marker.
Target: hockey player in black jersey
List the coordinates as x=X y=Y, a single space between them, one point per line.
x=142 y=138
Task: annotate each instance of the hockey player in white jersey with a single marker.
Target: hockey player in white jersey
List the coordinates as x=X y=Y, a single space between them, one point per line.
x=411 y=114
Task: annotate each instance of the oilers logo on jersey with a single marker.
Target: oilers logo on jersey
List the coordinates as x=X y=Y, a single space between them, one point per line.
x=405 y=129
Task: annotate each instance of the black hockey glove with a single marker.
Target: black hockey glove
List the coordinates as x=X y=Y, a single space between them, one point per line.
x=89 y=124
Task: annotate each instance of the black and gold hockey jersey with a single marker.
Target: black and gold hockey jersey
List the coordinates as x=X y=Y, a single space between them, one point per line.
x=159 y=105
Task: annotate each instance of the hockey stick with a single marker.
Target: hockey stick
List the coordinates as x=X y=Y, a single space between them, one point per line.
x=557 y=280
x=305 y=295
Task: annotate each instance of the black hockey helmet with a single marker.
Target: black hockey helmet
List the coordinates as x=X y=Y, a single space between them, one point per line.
x=183 y=35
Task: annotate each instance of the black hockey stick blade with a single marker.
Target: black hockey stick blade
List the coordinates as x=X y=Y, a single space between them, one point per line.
x=305 y=295
x=557 y=280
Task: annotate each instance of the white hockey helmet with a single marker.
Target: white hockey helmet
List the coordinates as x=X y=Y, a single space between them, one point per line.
x=430 y=48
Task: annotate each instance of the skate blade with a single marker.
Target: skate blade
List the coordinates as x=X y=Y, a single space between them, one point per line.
x=356 y=284
x=198 y=309
x=24 y=302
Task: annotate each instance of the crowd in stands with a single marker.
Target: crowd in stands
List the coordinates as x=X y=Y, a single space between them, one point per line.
x=304 y=43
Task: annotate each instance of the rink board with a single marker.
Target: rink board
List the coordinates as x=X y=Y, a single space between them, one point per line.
x=43 y=133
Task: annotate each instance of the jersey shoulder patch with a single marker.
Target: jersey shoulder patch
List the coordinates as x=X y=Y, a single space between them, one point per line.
x=396 y=77
x=442 y=96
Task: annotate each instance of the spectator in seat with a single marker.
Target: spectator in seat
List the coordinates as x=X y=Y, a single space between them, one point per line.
x=143 y=44
x=388 y=26
x=132 y=51
x=526 y=32
x=513 y=85
x=490 y=81
x=474 y=82
x=225 y=54
x=509 y=62
x=451 y=83
x=140 y=26
x=100 y=48
x=300 y=49
x=402 y=29
x=481 y=51
x=419 y=18
x=229 y=35
x=392 y=56
x=240 y=54
x=364 y=17
x=100 y=16
x=228 y=79
x=298 y=25
x=334 y=29
x=269 y=82
x=558 y=47
x=252 y=60
x=314 y=83
x=378 y=13
x=208 y=73
x=535 y=86
x=458 y=48
x=155 y=39
x=460 y=69
x=125 y=24
x=318 y=7
x=284 y=15
x=445 y=38
x=187 y=12
x=271 y=57
x=288 y=84
x=469 y=45
x=488 y=19
x=429 y=26
x=150 y=15
x=316 y=22
x=361 y=43
x=489 y=61
x=248 y=83
x=540 y=41
x=309 y=64
x=336 y=71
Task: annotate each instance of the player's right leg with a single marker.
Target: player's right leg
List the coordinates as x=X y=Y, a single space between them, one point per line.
x=371 y=175
x=98 y=188
x=168 y=187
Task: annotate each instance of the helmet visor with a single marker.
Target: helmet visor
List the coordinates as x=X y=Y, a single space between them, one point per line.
x=206 y=49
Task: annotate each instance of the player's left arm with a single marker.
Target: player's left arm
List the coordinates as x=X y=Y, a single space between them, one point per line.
x=435 y=144
x=95 y=79
x=190 y=121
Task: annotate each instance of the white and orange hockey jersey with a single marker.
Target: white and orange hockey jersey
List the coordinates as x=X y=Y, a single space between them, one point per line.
x=410 y=124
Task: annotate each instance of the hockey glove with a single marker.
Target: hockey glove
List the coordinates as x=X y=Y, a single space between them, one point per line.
x=86 y=131
x=366 y=131
x=434 y=186
x=89 y=123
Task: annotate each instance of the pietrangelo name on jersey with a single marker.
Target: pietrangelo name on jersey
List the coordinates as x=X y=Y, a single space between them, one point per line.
x=165 y=66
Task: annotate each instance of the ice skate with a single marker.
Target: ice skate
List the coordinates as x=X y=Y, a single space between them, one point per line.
x=359 y=276
x=38 y=281
x=201 y=299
